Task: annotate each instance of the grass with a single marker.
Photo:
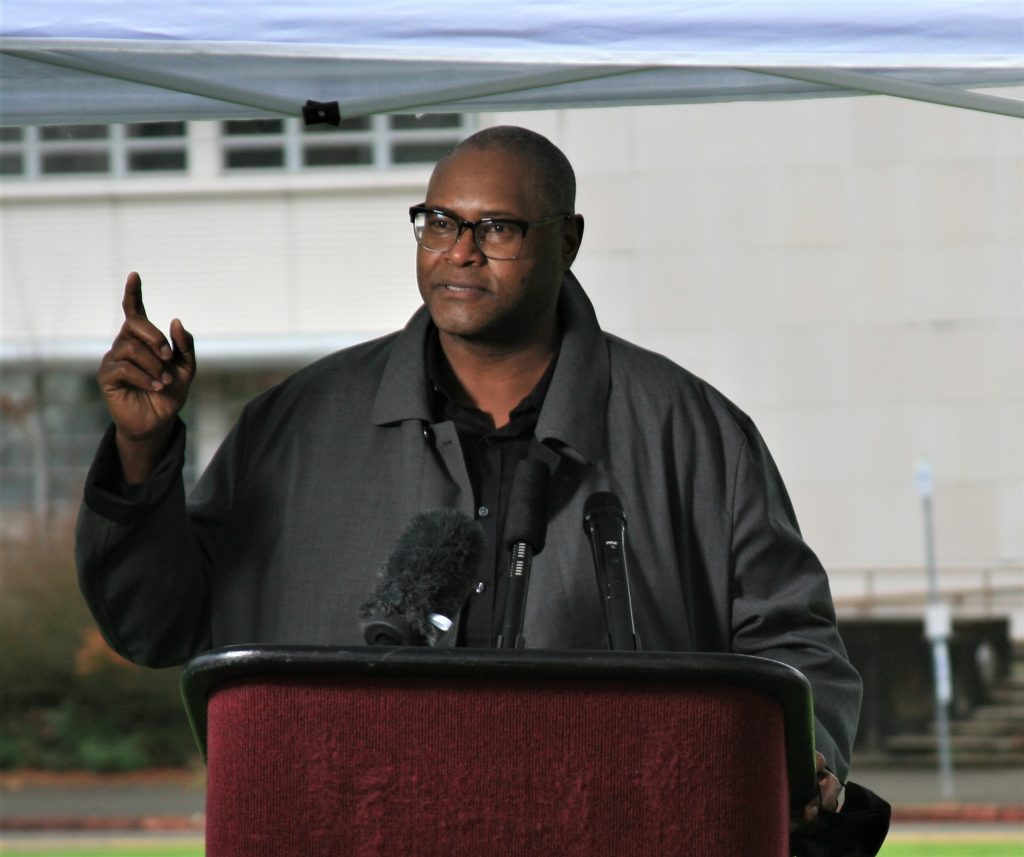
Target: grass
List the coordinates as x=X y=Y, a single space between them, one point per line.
x=965 y=848
x=126 y=850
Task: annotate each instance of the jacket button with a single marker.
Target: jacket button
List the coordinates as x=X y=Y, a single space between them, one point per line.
x=426 y=433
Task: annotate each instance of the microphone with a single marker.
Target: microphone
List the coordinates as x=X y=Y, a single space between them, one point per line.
x=605 y=522
x=526 y=526
x=425 y=581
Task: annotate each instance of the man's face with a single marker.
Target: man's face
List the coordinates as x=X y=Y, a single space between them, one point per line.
x=502 y=303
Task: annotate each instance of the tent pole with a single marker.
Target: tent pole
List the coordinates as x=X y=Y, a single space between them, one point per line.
x=877 y=84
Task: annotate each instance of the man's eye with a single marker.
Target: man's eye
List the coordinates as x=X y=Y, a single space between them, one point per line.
x=440 y=223
x=498 y=229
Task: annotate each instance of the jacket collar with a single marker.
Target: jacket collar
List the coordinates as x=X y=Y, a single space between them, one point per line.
x=404 y=391
x=572 y=417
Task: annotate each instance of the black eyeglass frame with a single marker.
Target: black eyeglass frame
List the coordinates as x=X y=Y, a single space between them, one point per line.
x=524 y=227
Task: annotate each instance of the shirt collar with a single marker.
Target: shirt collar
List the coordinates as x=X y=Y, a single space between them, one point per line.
x=445 y=404
x=572 y=418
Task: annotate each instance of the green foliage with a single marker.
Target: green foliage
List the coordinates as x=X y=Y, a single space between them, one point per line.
x=68 y=702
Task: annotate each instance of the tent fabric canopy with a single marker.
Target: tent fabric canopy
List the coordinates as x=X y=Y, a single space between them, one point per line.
x=66 y=61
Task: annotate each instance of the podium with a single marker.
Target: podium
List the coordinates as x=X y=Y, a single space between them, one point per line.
x=417 y=751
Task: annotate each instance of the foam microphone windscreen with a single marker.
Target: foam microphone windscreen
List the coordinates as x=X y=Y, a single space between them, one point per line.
x=431 y=570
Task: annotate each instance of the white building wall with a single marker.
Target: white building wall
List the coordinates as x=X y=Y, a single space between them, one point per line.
x=253 y=258
x=849 y=271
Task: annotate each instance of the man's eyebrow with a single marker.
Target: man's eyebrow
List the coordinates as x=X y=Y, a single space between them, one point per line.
x=495 y=215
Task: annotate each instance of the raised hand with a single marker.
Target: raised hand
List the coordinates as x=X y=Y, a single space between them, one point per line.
x=145 y=380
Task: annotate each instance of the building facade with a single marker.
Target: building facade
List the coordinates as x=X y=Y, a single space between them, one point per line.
x=848 y=270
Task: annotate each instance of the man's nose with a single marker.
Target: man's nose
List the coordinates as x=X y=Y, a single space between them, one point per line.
x=465 y=248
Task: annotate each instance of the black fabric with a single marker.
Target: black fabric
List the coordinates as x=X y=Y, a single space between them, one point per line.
x=109 y=495
x=491 y=455
x=858 y=831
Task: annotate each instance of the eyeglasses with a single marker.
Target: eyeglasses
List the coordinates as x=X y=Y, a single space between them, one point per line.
x=497 y=238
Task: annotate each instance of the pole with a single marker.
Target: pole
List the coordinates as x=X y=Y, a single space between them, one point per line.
x=937 y=630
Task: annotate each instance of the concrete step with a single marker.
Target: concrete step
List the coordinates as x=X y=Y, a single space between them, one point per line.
x=1004 y=694
x=961 y=759
x=995 y=711
x=992 y=726
x=994 y=744
x=992 y=737
x=1016 y=673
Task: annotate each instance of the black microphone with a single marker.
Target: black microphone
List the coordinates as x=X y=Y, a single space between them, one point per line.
x=526 y=526
x=425 y=581
x=605 y=522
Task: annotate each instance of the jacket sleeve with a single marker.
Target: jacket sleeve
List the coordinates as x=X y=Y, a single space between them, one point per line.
x=140 y=563
x=782 y=605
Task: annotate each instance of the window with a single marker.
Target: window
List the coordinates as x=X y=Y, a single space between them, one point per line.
x=380 y=141
x=156 y=147
x=94 y=150
x=12 y=159
x=50 y=425
x=245 y=145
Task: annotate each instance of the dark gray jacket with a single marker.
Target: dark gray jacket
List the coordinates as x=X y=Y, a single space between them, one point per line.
x=282 y=537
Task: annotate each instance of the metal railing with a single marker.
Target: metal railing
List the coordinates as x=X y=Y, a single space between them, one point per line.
x=975 y=590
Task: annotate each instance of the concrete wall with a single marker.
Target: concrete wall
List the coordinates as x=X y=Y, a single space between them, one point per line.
x=850 y=272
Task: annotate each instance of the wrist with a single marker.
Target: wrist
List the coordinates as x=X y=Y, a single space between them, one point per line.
x=140 y=456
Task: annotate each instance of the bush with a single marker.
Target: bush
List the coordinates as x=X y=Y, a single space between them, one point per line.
x=68 y=700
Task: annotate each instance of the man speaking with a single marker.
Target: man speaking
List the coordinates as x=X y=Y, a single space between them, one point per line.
x=281 y=540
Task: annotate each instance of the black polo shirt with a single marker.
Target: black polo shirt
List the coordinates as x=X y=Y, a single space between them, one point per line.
x=491 y=455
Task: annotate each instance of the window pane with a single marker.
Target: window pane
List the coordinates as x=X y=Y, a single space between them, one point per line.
x=156 y=129
x=10 y=135
x=419 y=153
x=76 y=162
x=414 y=121
x=237 y=159
x=11 y=164
x=73 y=132
x=359 y=123
x=55 y=459
x=16 y=488
x=335 y=156
x=12 y=456
x=156 y=160
x=253 y=126
x=67 y=387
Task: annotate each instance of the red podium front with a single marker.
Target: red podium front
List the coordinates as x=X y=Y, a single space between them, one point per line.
x=358 y=751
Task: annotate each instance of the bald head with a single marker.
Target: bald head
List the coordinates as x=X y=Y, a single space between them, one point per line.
x=557 y=181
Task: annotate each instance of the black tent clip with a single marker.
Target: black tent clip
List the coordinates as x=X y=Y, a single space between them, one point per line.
x=321 y=113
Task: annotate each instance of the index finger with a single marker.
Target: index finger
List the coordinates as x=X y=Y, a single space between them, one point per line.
x=131 y=303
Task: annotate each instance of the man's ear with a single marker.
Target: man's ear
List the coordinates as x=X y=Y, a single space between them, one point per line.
x=572 y=237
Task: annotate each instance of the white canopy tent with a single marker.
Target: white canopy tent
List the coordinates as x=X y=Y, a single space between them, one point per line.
x=72 y=61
